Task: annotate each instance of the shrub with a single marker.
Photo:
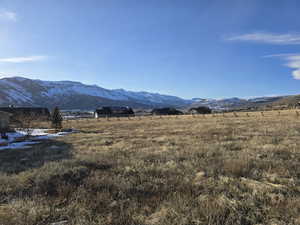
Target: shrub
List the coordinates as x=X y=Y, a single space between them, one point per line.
x=56 y=119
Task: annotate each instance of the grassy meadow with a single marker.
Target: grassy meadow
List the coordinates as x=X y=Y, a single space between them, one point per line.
x=185 y=170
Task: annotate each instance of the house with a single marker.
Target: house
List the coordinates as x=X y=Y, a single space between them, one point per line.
x=200 y=110
x=21 y=112
x=166 y=111
x=4 y=123
x=114 y=111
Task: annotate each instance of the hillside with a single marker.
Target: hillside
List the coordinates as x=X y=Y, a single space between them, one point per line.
x=75 y=95
x=236 y=103
x=288 y=101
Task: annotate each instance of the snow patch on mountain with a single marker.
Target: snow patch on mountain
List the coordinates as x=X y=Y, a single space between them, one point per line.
x=15 y=95
x=146 y=96
x=69 y=88
x=15 y=92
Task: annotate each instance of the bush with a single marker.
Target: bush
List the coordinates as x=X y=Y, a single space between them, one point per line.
x=56 y=119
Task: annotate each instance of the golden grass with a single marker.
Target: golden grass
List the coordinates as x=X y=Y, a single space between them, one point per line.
x=238 y=169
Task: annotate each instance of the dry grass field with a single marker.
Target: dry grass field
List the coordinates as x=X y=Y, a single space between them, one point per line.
x=149 y=171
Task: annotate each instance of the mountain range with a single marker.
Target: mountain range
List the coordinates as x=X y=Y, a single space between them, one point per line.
x=20 y=91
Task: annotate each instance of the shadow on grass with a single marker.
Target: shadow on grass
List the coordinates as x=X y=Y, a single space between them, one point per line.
x=13 y=161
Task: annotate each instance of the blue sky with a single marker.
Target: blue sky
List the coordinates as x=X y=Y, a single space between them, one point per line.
x=207 y=48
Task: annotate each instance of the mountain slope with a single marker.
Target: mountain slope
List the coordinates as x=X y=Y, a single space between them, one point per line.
x=236 y=103
x=75 y=95
x=287 y=101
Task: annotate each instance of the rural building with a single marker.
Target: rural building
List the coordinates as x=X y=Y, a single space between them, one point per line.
x=200 y=110
x=166 y=111
x=4 y=122
x=115 y=111
x=19 y=112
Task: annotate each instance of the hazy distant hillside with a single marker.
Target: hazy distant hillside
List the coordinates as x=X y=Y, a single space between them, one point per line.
x=287 y=101
x=235 y=103
x=74 y=95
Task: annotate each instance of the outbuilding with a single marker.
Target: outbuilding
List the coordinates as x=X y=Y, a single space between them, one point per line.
x=114 y=111
x=166 y=111
x=200 y=110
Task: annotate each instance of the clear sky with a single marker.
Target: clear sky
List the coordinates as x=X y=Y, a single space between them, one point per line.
x=192 y=48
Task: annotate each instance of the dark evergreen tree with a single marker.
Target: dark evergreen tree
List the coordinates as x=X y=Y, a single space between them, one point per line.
x=56 y=119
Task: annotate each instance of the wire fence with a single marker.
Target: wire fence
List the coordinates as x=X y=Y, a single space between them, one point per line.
x=131 y=117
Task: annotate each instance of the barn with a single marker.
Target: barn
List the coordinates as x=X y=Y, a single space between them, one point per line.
x=166 y=111
x=114 y=111
x=200 y=110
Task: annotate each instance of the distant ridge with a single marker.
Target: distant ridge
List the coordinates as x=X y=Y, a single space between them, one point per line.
x=22 y=91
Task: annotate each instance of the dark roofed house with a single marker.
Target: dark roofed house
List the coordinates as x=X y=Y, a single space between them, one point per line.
x=166 y=111
x=200 y=110
x=114 y=111
x=35 y=112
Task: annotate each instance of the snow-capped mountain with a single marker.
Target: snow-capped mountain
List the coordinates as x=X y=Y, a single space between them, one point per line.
x=21 y=91
x=68 y=94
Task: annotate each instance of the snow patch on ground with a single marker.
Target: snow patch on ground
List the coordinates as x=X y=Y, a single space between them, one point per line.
x=36 y=135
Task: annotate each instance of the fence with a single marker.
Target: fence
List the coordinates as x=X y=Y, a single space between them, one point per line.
x=130 y=117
